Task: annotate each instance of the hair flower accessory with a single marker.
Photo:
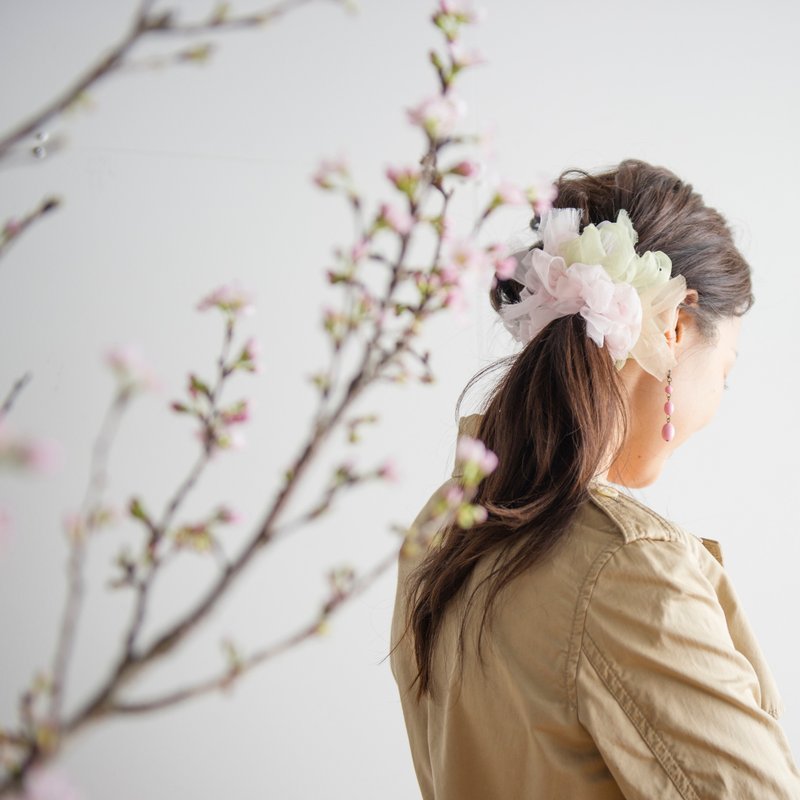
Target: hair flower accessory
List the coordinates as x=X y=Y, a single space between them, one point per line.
x=628 y=300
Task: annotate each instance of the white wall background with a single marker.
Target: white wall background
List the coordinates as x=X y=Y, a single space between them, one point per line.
x=183 y=179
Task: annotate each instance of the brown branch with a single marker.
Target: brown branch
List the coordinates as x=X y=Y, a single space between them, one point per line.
x=227 y=678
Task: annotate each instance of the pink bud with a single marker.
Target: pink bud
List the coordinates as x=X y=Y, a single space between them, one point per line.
x=467 y=169
x=228 y=516
x=12 y=228
x=389 y=470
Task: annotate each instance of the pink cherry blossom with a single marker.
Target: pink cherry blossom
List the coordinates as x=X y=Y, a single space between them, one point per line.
x=544 y=192
x=510 y=194
x=463 y=9
x=504 y=263
x=328 y=169
x=38 y=455
x=44 y=455
x=45 y=782
x=397 y=220
x=461 y=57
x=438 y=115
x=454 y=495
x=472 y=450
x=230 y=297
x=464 y=255
x=131 y=368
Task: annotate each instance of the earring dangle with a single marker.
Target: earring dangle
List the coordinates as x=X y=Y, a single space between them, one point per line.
x=668 y=431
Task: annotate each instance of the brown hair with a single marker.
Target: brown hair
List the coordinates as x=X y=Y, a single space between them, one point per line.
x=560 y=403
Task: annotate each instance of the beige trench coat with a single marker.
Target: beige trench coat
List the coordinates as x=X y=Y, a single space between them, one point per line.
x=623 y=667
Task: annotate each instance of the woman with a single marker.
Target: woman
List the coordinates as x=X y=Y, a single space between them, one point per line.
x=617 y=662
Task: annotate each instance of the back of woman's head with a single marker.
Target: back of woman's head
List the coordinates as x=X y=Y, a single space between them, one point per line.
x=558 y=415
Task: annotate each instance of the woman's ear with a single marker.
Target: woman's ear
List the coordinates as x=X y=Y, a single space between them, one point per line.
x=682 y=321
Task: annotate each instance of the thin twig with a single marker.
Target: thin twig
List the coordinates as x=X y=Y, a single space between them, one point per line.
x=13 y=229
x=97 y=482
x=18 y=386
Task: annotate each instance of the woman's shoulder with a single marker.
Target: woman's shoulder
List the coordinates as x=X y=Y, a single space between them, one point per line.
x=634 y=521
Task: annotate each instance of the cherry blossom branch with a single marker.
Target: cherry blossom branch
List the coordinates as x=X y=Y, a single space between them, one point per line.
x=144 y=24
x=158 y=531
x=437 y=288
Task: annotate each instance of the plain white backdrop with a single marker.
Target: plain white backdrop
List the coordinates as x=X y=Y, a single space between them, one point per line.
x=178 y=180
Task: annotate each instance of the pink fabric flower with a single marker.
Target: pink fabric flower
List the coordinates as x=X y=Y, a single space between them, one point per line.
x=613 y=311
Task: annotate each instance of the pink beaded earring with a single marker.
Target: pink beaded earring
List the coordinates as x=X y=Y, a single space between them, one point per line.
x=668 y=431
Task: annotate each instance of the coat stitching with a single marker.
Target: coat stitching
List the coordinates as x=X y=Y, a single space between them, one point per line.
x=633 y=711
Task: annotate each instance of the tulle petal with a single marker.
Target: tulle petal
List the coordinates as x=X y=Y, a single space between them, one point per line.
x=659 y=304
x=559 y=225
